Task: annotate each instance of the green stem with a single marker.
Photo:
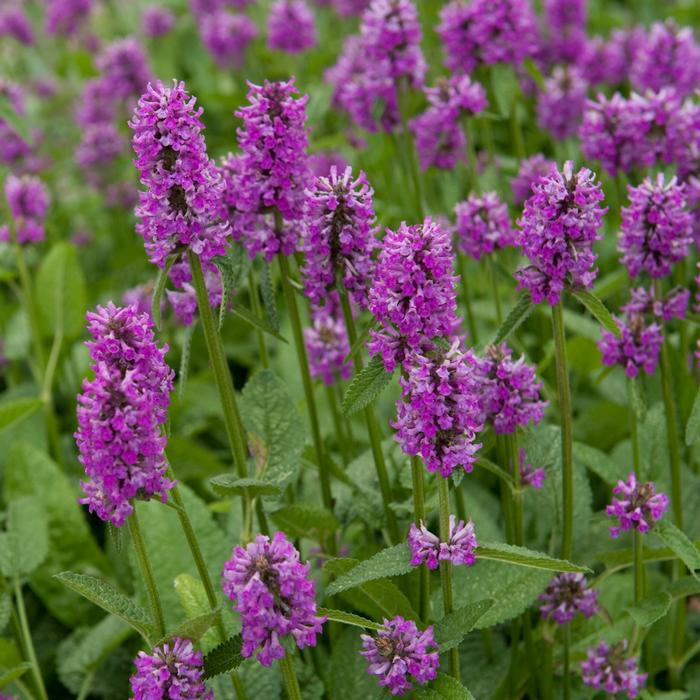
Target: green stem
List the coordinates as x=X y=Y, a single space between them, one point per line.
x=446 y=566
x=471 y=156
x=518 y=518
x=146 y=573
x=419 y=513
x=471 y=320
x=262 y=518
x=289 y=675
x=547 y=677
x=341 y=437
x=257 y=310
x=27 y=642
x=638 y=547
x=567 y=661
x=373 y=432
x=295 y=319
x=459 y=502
x=634 y=435
x=402 y=90
x=493 y=278
x=222 y=375
x=566 y=430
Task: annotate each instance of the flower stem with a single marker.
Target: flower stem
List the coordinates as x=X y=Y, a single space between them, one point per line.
x=471 y=320
x=638 y=566
x=146 y=573
x=493 y=277
x=224 y=383
x=27 y=642
x=419 y=513
x=293 y=308
x=566 y=430
x=341 y=437
x=291 y=683
x=518 y=519
x=373 y=432
x=257 y=310
x=566 y=629
x=446 y=566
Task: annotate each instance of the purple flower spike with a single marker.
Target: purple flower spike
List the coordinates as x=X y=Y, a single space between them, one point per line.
x=673 y=305
x=157 y=21
x=566 y=22
x=401 y=655
x=181 y=205
x=124 y=69
x=327 y=343
x=637 y=506
x=29 y=202
x=226 y=36
x=290 y=26
x=439 y=416
x=413 y=296
x=426 y=547
x=66 y=16
x=656 y=228
x=339 y=236
x=483 y=225
x=15 y=23
x=607 y=668
x=559 y=225
x=274 y=596
x=173 y=671
x=529 y=475
x=121 y=413
x=530 y=171
x=637 y=348
x=509 y=391
x=566 y=595
x=561 y=104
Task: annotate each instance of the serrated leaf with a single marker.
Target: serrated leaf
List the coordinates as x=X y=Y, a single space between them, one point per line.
x=233 y=268
x=256 y=322
x=267 y=292
x=678 y=542
x=346 y=663
x=451 y=629
x=304 y=520
x=159 y=289
x=194 y=628
x=444 y=687
x=360 y=342
x=106 y=596
x=650 y=609
x=366 y=386
x=224 y=658
x=275 y=428
x=521 y=556
x=16 y=410
x=516 y=317
x=692 y=429
x=348 y=618
x=25 y=544
x=60 y=292
x=598 y=309
x=185 y=352
x=599 y=463
x=229 y=485
x=393 y=561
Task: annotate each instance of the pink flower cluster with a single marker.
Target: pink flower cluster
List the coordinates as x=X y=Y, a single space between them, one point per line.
x=29 y=202
x=608 y=668
x=483 y=225
x=460 y=548
x=637 y=507
x=566 y=595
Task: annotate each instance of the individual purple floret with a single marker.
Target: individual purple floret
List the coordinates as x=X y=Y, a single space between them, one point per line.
x=439 y=417
x=15 y=23
x=327 y=343
x=673 y=305
x=566 y=595
x=426 y=547
x=637 y=505
x=157 y=21
x=274 y=596
x=290 y=26
x=29 y=202
x=483 y=225
x=566 y=25
x=121 y=413
x=173 y=671
x=401 y=655
x=339 y=236
x=181 y=205
x=559 y=225
x=509 y=391
x=413 y=295
x=438 y=131
x=530 y=171
x=656 y=229
x=561 y=103
x=637 y=348
x=528 y=474
x=487 y=31
x=65 y=17
x=608 y=668
x=226 y=36
x=668 y=56
x=124 y=69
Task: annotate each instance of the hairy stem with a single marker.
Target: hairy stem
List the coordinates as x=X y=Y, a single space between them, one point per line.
x=419 y=514
x=257 y=310
x=27 y=642
x=566 y=629
x=291 y=683
x=446 y=566
x=466 y=297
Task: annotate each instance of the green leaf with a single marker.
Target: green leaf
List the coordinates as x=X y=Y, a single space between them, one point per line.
x=534 y=72
x=679 y=543
x=267 y=291
x=229 y=485
x=360 y=342
x=233 y=268
x=598 y=309
x=193 y=600
x=7 y=676
x=692 y=429
x=159 y=289
x=304 y=520
x=194 y=628
x=25 y=544
x=106 y=596
x=650 y=609
x=444 y=687
x=186 y=350
x=19 y=123
x=276 y=430
x=393 y=561
x=347 y=677
x=451 y=629
x=226 y=657
x=521 y=556
x=516 y=317
x=16 y=410
x=256 y=322
x=349 y=618
x=638 y=399
x=60 y=292
x=505 y=87
x=366 y=386
x=5 y=610
x=599 y=463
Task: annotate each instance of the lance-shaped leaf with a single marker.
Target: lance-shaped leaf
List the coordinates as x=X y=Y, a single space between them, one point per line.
x=194 y=628
x=224 y=658
x=677 y=541
x=267 y=291
x=521 y=556
x=233 y=268
x=652 y=608
x=159 y=289
x=25 y=544
x=366 y=386
x=692 y=429
x=444 y=687
x=451 y=629
x=304 y=520
x=393 y=561
x=256 y=322
x=598 y=310
x=13 y=411
x=516 y=317
x=347 y=618
x=230 y=485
